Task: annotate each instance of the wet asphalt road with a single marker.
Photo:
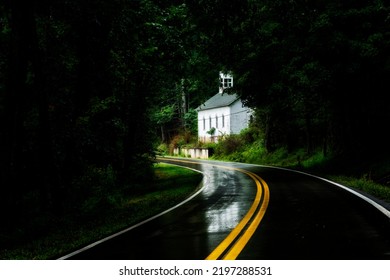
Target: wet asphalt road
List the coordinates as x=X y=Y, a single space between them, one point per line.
x=307 y=218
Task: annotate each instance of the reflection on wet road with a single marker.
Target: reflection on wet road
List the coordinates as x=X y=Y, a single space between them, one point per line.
x=307 y=218
x=191 y=231
x=220 y=220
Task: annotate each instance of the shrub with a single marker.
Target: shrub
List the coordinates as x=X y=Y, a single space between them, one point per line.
x=162 y=149
x=93 y=187
x=254 y=152
x=250 y=135
x=314 y=160
x=229 y=145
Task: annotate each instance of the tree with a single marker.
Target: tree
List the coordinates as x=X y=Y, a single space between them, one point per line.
x=315 y=70
x=178 y=51
x=77 y=83
x=82 y=87
x=162 y=117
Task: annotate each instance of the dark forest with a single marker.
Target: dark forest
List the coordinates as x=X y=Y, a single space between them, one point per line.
x=87 y=87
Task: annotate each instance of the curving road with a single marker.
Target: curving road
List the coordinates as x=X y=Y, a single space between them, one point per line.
x=254 y=212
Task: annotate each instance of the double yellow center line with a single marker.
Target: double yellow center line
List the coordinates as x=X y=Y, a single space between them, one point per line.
x=234 y=243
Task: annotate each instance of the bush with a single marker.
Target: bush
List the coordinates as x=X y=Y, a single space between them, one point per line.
x=250 y=135
x=314 y=160
x=92 y=189
x=255 y=152
x=229 y=145
x=162 y=149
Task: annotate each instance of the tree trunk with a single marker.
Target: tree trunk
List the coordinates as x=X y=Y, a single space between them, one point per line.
x=162 y=134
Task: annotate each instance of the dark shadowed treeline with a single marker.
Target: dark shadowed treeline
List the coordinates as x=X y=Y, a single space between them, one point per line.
x=88 y=87
x=79 y=81
x=317 y=71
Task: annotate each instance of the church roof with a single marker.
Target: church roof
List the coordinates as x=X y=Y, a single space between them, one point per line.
x=218 y=100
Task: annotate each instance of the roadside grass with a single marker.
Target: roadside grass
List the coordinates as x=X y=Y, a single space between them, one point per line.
x=362 y=175
x=172 y=185
x=365 y=185
x=366 y=175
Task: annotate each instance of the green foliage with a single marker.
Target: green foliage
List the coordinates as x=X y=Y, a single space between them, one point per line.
x=82 y=88
x=125 y=211
x=191 y=121
x=317 y=71
x=211 y=131
x=94 y=188
x=255 y=152
x=366 y=185
x=86 y=88
x=179 y=51
x=229 y=148
x=165 y=115
x=315 y=159
x=183 y=139
x=163 y=149
x=249 y=147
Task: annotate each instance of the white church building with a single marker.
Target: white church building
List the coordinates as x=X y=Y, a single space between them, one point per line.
x=223 y=114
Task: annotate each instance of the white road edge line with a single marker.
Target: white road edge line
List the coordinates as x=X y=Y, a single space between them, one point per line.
x=367 y=199
x=379 y=207
x=203 y=182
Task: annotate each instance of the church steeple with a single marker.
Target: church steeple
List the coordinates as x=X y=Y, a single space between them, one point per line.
x=225 y=81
